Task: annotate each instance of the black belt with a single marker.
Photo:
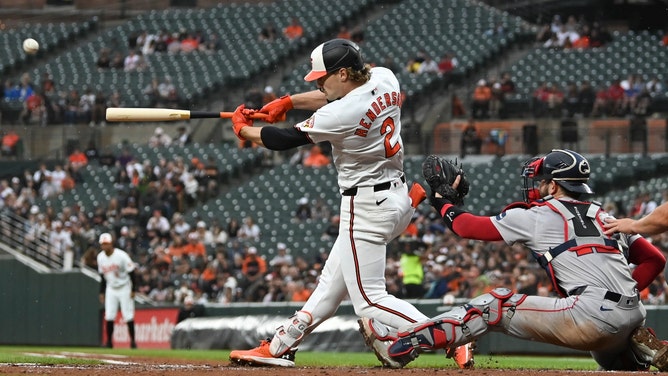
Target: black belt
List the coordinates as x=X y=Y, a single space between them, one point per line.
x=609 y=295
x=376 y=188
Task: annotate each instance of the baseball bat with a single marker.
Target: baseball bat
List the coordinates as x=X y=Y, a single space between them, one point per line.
x=166 y=114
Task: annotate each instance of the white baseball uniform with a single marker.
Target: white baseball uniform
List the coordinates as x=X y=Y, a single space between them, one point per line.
x=364 y=129
x=115 y=270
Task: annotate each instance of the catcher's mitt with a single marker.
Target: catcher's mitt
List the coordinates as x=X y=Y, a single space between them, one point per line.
x=440 y=174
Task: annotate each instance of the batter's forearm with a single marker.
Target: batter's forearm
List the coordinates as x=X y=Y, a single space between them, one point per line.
x=310 y=100
x=654 y=223
x=252 y=134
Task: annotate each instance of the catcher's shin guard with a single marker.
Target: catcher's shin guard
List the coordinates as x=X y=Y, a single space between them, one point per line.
x=458 y=326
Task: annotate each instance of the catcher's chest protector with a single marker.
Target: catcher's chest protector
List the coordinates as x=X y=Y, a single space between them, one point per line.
x=581 y=218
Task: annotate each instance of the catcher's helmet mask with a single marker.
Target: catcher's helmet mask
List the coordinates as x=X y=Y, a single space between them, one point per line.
x=567 y=168
x=332 y=56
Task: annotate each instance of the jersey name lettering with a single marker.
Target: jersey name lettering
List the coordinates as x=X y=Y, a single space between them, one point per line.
x=377 y=106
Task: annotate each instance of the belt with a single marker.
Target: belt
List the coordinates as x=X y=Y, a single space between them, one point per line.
x=376 y=188
x=609 y=295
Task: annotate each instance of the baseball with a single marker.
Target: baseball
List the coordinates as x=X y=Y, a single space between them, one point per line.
x=30 y=46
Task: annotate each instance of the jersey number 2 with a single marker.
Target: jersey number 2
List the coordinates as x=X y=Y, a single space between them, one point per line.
x=388 y=130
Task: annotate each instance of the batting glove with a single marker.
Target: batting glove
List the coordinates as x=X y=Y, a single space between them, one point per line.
x=239 y=120
x=277 y=109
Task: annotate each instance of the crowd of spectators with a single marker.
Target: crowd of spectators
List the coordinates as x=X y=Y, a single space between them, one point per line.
x=632 y=96
x=575 y=32
x=220 y=260
x=423 y=63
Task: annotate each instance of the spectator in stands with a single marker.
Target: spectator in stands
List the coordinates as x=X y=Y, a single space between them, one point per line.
x=482 y=94
x=103 y=59
x=544 y=34
x=162 y=40
x=249 y=230
x=571 y=99
x=183 y=138
x=268 y=33
x=357 y=35
x=205 y=235
x=159 y=138
x=586 y=98
x=428 y=66
x=115 y=99
x=165 y=90
x=57 y=177
x=157 y=227
x=117 y=61
x=33 y=111
x=189 y=43
x=253 y=268
x=344 y=33
x=548 y=100
x=303 y=211
x=86 y=104
x=600 y=36
x=448 y=63
x=189 y=309
x=294 y=31
x=174 y=44
x=132 y=62
x=151 y=92
x=282 y=257
x=77 y=160
x=10 y=142
x=471 y=141
x=194 y=248
x=98 y=114
x=11 y=90
x=297 y=291
x=71 y=114
x=316 y=158
x=233 y=228
x=212 y=43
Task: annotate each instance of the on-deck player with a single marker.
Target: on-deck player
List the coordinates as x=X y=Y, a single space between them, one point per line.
x=358 y=112
x=117 y=288
x=598 y=310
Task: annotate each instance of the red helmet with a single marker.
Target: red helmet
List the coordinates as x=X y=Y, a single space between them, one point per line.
x=567 y=168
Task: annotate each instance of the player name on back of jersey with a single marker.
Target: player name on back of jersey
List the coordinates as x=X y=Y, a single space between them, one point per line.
x=381 y=103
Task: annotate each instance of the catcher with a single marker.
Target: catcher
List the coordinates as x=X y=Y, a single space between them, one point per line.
x=598 y=309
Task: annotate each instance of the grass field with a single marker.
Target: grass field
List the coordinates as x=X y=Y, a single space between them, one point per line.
x=75 y=355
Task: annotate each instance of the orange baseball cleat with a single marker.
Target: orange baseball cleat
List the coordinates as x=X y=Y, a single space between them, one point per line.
x=261 y=356
x=463 y=355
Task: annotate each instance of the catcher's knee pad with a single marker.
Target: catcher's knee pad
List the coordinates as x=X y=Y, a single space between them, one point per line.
x=459 y=325
x=491 y=305
x=290 y=333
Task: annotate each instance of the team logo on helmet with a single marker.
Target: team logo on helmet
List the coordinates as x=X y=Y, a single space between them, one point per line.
x=584 y=167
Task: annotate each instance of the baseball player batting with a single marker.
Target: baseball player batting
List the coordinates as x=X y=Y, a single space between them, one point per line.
x=117 y=288
x=358 y=110
x=598 y=309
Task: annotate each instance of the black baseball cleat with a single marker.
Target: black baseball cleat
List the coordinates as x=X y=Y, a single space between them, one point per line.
x=133 y=345
x=109 y=345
